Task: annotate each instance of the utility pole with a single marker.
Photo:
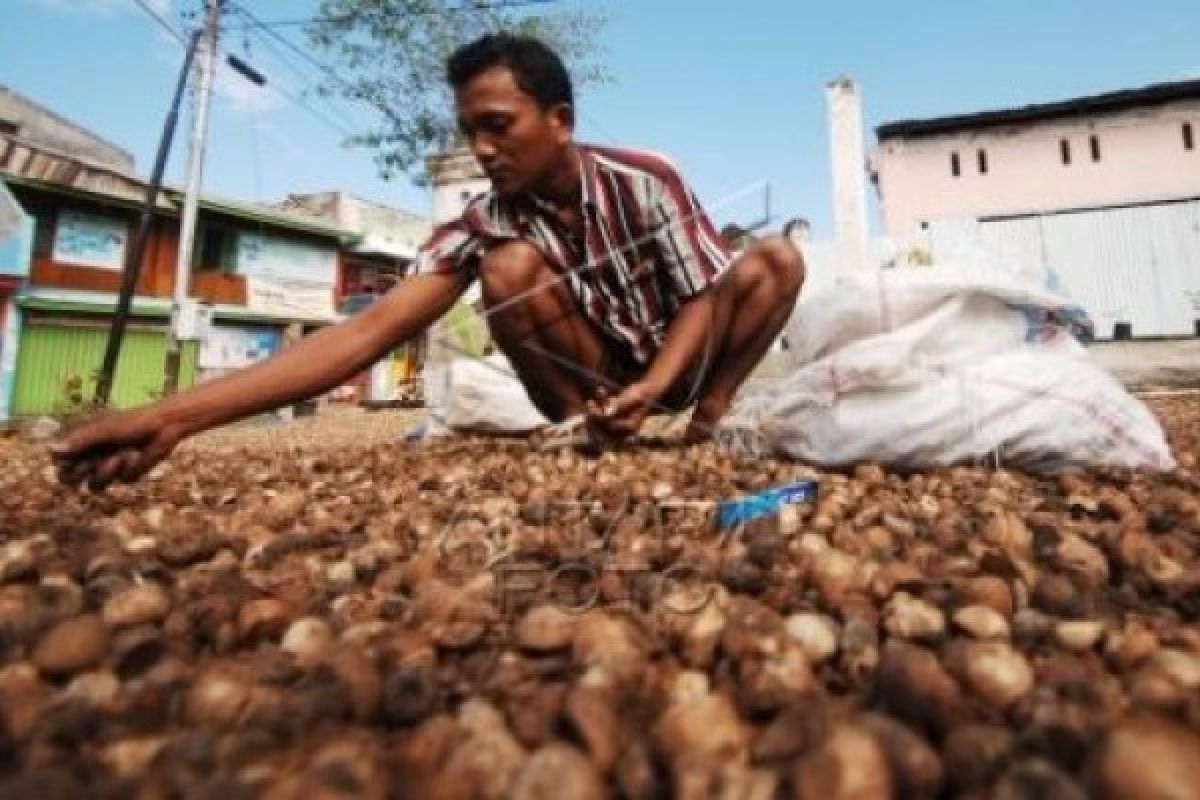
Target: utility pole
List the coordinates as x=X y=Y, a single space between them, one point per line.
x=133 y=258
x=183 y=310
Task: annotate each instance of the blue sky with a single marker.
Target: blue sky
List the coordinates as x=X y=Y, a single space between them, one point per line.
x=732 y=90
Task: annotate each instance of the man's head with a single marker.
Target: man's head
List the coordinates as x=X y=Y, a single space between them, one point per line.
x=515 y=107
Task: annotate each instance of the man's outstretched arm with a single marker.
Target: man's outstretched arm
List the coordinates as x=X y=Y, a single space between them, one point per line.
x=124 y=446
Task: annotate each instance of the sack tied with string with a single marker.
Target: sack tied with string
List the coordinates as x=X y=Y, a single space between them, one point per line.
x=944 y=365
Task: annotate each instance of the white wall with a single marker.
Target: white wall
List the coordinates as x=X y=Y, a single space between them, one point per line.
x=1142 y=158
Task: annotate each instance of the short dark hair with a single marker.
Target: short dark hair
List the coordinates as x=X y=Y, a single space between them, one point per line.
x=537 y=69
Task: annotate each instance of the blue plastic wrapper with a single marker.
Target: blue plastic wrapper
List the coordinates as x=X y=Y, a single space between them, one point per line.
x=765 y=503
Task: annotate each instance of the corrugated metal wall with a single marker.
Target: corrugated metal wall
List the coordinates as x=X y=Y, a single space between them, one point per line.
x=52 y=352
x=1139 y=265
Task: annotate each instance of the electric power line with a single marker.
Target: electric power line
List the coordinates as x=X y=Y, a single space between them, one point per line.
x=323 y=117
x=279 y=90
x=325 y=69
x=505 y=5
x=300 y=74
x=167 y=26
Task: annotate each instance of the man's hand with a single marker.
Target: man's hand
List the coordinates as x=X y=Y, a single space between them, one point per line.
x=623 y=415
x=121 y=446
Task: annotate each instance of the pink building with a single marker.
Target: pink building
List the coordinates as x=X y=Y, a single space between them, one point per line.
x=1121 y=148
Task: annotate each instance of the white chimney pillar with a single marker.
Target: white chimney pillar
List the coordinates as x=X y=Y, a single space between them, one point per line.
x=848 y=159
x=456 y=178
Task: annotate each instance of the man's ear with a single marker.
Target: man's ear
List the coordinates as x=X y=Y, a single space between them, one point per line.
x=563 y=116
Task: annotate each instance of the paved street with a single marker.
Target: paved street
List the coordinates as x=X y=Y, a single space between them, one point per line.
x=1148 y=365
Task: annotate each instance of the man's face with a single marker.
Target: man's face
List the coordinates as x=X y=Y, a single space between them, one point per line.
x=518 y=143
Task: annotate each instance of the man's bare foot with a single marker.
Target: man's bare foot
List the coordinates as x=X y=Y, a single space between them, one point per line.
x=707 y=414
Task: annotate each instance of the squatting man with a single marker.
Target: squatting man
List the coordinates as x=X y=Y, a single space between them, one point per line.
x=603 y=280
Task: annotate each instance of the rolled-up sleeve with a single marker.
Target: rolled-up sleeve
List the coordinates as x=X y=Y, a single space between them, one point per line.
x=693 y=255
x=452 y=249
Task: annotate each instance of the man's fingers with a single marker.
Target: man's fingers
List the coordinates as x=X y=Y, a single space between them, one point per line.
x=131 y=466
x=75 y=472
x=106 y=470
x=100 y=435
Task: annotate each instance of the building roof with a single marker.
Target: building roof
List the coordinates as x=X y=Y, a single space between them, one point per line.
x=17 y=108
x=381 y=230
x=26 y=164
x=1122 y=100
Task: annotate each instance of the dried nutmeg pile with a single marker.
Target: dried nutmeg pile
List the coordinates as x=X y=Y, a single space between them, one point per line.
x=479 y=618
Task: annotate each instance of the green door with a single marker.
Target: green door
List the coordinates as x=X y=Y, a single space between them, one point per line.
x=58 y=361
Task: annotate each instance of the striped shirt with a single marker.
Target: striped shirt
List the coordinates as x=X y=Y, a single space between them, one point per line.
x=647 y=245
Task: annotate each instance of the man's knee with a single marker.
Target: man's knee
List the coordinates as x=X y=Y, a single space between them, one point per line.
x=510 y=269
x=785 y=264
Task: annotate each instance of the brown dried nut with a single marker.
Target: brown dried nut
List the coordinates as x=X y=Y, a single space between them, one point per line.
x=423 y=751
x=264 y=618
x=143 y=604
x=361 y=679
x=1130 y=646
x=768 y=681
x=916 y=768
x=23 y=698
x=73 y=645
x=895 y=575
x=341 y=576
x=981 y=622
x=1083 y=560
x=219 y=696
x=1008 y=531
x=909 y=617
x=1167 y=679
x=696 y=615
x=699 y=732
x=859 y=645
x=17 y=560
x=183 y=548
x=487 y=760
x=410 y=691
x=546 y=628
x=835 y=573
x=348 y=765
x=61 y=594
x=796 y=730
x=996 y=672
x=913 y=686
x=592 y=714
x=635 y=774
x=98 y=690
x=18 y=616
x=1055 y=594
x=1031 y=626
x=1035 y=777
x=136 y=650
x=129 y=759
x=533 y=710
x=990 y=591
x=558 y=771
x=610 y=646
x=308 y=639
x=282 y=509
x=974 y=753
x=817 y=635
x=452 y=616
x=1079 y=634
x=850 y=765
x=1144 y=758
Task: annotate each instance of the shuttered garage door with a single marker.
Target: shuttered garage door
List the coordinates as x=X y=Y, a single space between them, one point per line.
x=54 y=352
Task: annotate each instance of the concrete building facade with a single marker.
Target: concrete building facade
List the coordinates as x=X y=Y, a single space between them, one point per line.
x=1120 y=148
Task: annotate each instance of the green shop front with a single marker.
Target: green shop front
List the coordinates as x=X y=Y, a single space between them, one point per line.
x=62 y=347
